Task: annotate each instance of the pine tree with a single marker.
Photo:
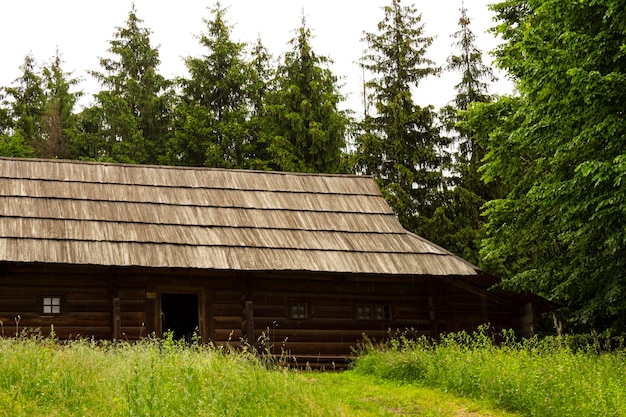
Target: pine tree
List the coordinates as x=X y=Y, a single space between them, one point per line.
x=212 y=113
x=130 y=119
x=305 y=130
x=400 y=143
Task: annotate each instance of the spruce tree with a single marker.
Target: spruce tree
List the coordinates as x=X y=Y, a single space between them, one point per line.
x=26 y=108
x=130 y=119
x=211 y=118
x=60 y=123
x=458 y=225
x=304 y=128
x=400 y=143
x=263 y=76
x=37 y=117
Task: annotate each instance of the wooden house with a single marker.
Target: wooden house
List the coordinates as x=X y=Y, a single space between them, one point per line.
x=315 y=261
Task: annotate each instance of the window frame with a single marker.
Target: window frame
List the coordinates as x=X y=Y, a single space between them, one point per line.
x=51 y=305
x=373 y=309
x=303 y=312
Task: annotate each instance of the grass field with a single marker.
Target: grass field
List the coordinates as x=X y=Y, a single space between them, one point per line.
x=554 y=376
x=43 y=377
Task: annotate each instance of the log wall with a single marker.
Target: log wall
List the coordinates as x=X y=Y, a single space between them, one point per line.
x=113 y=303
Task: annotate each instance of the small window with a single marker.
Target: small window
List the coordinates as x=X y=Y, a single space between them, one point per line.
x=51 y=305
x=298 y=310
x=379 y=312
x=383 y=312
x=364 y=312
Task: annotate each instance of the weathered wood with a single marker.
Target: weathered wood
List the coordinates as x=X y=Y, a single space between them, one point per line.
x=249 y=322
x=117 y=319
x=425 y=305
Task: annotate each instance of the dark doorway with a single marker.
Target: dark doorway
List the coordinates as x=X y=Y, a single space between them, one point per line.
x=179 y=314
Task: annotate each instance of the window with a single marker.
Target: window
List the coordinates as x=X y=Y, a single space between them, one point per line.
x=51 y=305
x=364 y=312
x=298 y=310
x=383 y=312
x=379 y=312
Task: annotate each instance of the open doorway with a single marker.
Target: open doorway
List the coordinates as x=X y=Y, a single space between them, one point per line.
x=179 y=314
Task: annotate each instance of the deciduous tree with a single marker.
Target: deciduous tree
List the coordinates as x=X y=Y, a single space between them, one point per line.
x=560 y=230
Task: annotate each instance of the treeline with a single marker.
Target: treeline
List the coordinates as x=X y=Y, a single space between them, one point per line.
x=529 y=186
x=239 y=107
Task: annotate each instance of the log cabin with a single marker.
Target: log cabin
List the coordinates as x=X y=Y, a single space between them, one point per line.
x=312 y=261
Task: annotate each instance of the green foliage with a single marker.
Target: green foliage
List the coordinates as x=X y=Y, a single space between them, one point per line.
x=303 y=127
x=15 y=146
x=130 y=120
x=457 y=224
x=212 y=115
x=37 y=118
x=27 y=106
x=44 y=377
x=559 y=230
x=532 y=377
x=60 y=123
x=400 y=144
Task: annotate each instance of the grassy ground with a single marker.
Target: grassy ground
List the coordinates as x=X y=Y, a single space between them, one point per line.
x=460 y=376
x=40 y=377
x=549 y=377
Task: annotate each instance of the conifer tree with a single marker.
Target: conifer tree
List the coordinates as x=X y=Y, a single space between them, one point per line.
x=263 y=76
x=458 y=225
x=130 y=119
x=60 y=122
x=211 y=120
x=305 y=130
x=400 y=143
x=37 y=117
x=26 y=108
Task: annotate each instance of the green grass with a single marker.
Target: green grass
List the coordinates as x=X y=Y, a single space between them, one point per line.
x=463 y=375
x=532 y=377
x=43 y=377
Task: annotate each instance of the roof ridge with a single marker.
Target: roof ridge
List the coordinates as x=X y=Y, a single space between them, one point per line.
x=185 y=168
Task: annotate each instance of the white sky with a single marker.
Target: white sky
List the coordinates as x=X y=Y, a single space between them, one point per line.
x=81 y=29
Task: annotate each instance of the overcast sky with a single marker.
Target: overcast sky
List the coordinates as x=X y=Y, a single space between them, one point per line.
x=81 y=30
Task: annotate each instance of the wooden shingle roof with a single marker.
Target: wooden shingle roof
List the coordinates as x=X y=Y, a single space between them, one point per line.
x=83 y=213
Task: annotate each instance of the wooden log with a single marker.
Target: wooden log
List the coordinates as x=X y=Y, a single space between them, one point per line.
x=117 y=320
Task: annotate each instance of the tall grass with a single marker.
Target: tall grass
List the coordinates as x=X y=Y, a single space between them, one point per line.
x=549 y=377
x=42 y=377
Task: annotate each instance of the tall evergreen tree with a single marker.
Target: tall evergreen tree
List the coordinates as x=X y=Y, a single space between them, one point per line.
x=27 y=106
x=458 y=225
x=263 y=77
x=212 y=112
x=305 y=128
x=400 y=143
x=560 y=230
x=11 y=145
x=59 y=123
x=130 y=119
x=37 y=117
